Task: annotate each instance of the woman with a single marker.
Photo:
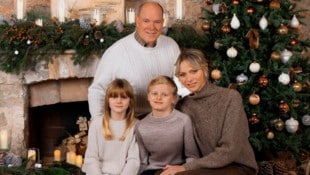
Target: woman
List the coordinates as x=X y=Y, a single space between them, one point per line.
x=220 y=123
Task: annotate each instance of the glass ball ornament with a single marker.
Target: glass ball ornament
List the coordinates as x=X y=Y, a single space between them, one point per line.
x=297 y=86
x=294 y=41
x=254 y=67
x=275 y=55
x=226 y=28
x=254 y=119
x=254 y=99
x=274 y=4
x=291 y=125
x=216 y=74
x=284 y=107
x=241 y=79
x=306 y=120
x=235 y=23
x=282 y=30
x=232 y=52
x=205 y=26
x=270 y=135
x=279 y=124
x=294 y=22
x=263 y=23
x=286 y=55
x=250 y=10
x=284 y=78
x=16 y=52
x=263 y=81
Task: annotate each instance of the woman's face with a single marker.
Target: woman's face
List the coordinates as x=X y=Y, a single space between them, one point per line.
x=192 y=78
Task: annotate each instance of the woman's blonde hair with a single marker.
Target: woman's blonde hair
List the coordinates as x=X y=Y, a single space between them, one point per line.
x=195 y=58
x=118 y=87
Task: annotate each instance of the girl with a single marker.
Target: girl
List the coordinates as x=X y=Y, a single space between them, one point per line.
x=165 y=136
x=112 y=148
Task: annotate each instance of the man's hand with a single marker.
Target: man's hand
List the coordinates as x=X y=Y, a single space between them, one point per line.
x=172 y=170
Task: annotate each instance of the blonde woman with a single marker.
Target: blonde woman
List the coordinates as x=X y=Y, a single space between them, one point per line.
x=112 y=148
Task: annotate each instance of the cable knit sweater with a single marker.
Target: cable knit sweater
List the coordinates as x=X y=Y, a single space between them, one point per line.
x=130 y=60
x=220 y=128
x=111 y=157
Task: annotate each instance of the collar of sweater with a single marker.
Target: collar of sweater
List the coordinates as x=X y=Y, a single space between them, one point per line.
x=208 y=90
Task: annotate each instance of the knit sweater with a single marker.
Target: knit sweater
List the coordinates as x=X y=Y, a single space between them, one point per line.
x=165 y=140
x=130 y=60
x=111 y=157
x=220 y=128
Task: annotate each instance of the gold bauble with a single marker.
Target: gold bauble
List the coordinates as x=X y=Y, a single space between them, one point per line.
x=205 y=26
x=216 y=74
x=282 y=30
x=270 y=135
x=254 y=99
x=296 y=103
x=297 y=86
x=279 y=125
x=226 y=28
x=274 y=4
x=275 y=55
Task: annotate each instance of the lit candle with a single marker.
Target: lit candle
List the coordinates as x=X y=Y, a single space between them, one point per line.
x=4 y=139
x=57 y=155
x=79 y=161
x=61 y=10
x=39 y=22
x=97 y=16
x=32 y=154
x=179 y=9
x=71 y=156
x=131 y=15
x=20 y=9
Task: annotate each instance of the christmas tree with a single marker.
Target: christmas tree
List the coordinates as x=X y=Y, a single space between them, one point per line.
x=254 y=46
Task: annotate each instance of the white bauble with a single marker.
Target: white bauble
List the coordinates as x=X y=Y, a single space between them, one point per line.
x=232 y=52
x=286 y=55
x=263 y=23
x=306 y=119
x=216 y=8
x=294 y=22
x=235 y=23
x=291 y=125
x=254 y=67
x=284 y=78
x=241 y=79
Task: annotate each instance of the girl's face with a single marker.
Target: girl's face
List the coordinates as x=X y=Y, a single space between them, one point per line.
x=119 y=104
x=193 y=79
x=161 y=98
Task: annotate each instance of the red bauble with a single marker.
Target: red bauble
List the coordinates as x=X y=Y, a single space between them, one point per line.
x=254 y=119
x=294 y=42
x=283 y=106
x=263 y=81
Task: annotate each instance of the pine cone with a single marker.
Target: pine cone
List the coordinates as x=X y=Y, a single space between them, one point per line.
x=280 y=168
x=265 y=168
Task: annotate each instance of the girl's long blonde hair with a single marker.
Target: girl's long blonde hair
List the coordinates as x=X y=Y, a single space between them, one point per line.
x=118 y=87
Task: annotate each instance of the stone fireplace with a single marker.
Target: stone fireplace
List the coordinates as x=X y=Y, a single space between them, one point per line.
x=38 y=104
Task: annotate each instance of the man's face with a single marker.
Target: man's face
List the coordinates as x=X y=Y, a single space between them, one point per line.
x=149 y=23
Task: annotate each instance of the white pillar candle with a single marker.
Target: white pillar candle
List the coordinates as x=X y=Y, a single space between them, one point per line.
x=57 y=155
x=70 y=157
x=4 y=139
x=131 y=15
x=179 y=9
x=97 y=16
x=79 y=161
x=32 y=154
x=20 y=9
x=39 y=22
x=61 y=8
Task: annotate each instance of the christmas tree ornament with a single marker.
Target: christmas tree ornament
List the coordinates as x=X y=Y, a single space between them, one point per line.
x=275 y=55
x=263 y=23
x=284 y=78
x=253 y=37
x=279 y=124
x=28 y=42
x=223 y=7
x=291 y=125
x=259 y=1
x=254 y=67
x=101 y=40
x=297 y=86
x=216 y=74
x=232 y=52
x=254 y=119
x=235 y=23
x=254 y=99
x=226 y=28
x=98 y=34
x=296 y=103
x=241 y=79
x=235 y=2
x=282 y=30
x=16 y=52
x=306 y=119
x=294 y=23
x=205 y=26
x=86 y=41
x=294 y=41
x=216 y=8
x=217 y=44
x=270 y=135
x=286 y=55
x=250 y=10
x=209 y=2
x=274 y=4
x=263 y=81
x=284 y=107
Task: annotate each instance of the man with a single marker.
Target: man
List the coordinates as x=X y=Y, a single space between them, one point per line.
x=138 y=57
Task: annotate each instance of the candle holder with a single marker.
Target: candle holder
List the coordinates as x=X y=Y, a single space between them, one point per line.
x=20 y=9
x=130 y=15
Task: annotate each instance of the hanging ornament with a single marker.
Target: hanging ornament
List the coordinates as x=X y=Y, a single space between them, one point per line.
x=294 y=41
x=263 y=23
x=282 y=30
x=294 y=22
x=274 y=4
x=254 y=99
x=101 y=40
x=283 y=106
x=254 y=67
x=16 y=52
x=209 y=2
x=217 y=44
x=263 y=81
x=232 y=52
x=250 y=10
x=235 y=23
x=241 y=79
x=279 y=124
x=259 y=1
x=216 y=74
x=235 y=2
x=226 y=28
x=253 y=37
x=284 y=78
x=275 y=55
x=205 y=26
x=291 y=125
x=216 y=8
x=254 y=119
x=270 y=135
x=286 y=55
x=297 y=86
x=28 y=42
x=306 y=119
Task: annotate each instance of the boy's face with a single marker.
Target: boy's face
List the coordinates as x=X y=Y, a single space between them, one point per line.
x=161 y=97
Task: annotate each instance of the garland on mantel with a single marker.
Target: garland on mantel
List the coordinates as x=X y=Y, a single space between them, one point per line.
x=25 y=43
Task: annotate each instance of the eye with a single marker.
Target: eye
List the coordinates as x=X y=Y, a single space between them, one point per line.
x=181 y=75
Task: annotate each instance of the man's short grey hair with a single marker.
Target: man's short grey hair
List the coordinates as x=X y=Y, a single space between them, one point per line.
x=142 y=2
